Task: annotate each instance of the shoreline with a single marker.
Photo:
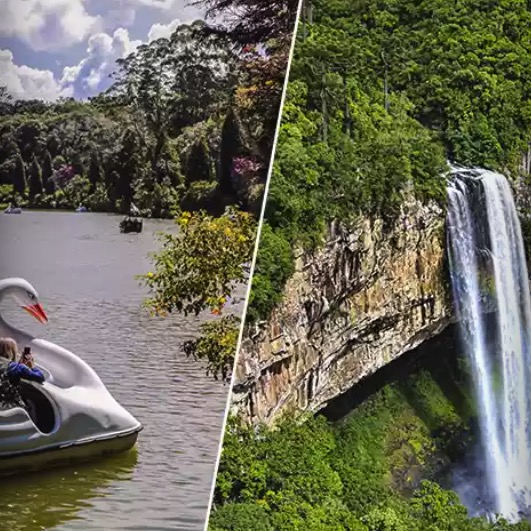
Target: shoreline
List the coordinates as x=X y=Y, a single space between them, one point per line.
x=3 y=206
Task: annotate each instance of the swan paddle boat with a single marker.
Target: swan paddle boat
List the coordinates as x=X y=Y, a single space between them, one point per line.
x=74 y=417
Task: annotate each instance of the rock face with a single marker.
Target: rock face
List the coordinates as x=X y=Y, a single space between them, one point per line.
x=367 y=296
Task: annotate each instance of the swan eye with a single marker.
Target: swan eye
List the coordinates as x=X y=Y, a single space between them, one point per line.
x=31 y=296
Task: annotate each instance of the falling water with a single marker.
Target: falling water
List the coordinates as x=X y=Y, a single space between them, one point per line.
x=485 y=242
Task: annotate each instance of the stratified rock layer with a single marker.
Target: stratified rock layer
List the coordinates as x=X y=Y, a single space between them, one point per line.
x=367 y=296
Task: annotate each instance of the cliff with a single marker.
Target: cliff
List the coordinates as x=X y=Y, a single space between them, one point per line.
x=371 y=293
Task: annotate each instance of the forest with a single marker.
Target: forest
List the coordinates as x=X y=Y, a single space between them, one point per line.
x=380 y=95
x=186 y=125
x=383 y=467
x=202 y=268
x=185 y=131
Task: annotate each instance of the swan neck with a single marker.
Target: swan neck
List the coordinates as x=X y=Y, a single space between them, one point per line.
x=5 y=327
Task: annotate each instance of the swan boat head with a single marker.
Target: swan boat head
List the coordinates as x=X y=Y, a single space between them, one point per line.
x=76 y=408
x=25 y=295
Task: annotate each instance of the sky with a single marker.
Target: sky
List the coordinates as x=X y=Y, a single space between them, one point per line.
x=68 y=48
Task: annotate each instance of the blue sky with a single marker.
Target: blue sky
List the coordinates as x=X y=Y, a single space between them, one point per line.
x=54 y=48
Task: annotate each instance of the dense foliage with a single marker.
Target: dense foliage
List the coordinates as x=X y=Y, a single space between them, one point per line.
x=380 y=94
x=199 y=268
x=172 y=132
x=374 y=471
x=185 y=130
x=206 y=263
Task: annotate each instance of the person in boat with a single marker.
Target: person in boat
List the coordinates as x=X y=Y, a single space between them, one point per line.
x=27 y=358
x=11 y=372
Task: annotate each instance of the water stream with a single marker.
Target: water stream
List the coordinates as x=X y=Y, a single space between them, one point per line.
x=489 y=276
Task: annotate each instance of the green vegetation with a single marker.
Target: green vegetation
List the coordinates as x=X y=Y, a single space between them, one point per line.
x=186 y=131
x=380 y=93
x=203 y=266
x=373 y=471
x=170 y=133
x=199 y=269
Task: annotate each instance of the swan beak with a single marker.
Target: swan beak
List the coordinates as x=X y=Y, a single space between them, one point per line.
x=37 y=311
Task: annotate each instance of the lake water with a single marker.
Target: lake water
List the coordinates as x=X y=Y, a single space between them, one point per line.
x=84 y=271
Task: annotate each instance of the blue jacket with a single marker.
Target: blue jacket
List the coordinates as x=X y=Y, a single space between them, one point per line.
x=16 y=371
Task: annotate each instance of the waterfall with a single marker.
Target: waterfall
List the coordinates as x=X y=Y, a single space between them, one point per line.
x=489 y=278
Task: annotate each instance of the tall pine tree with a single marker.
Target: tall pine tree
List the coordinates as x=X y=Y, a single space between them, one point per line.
x=130 y=168
x=198 y=163
x=19 y=178
x=47 y=172
x=77 y=164
x=95 y=173
x=231 y=146
x=35 y=179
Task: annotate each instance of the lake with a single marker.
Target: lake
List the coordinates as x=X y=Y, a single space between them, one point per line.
x=84 y=271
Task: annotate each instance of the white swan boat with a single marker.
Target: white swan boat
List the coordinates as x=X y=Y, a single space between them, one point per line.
x=74 y=418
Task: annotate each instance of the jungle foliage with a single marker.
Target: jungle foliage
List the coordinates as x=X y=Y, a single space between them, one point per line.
x=178 y=129
x=380 y=94
x=206 y=264
x=374 y=471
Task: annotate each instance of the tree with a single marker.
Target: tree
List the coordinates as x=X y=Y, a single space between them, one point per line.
x=129 y=167
x=216 y=346
x=95 y=175
x=173 y=83
x=251 y=21
x=198 y=269
x=19 y=177
x=231 y=147
x=35 y=179
x=198 y=163
x=78 y=166
x=47 y=173
x=6 y=100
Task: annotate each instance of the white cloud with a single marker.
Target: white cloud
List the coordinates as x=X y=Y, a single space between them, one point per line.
x=91 y=75
x=54 y=24
x=47 y=24
x=123 y=12
x=159 y=31
x=161 y=4
x=29 y=83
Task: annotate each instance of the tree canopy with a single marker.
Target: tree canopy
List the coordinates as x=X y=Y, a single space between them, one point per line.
x=381 y=93
x=163 y=118
x=376 y=470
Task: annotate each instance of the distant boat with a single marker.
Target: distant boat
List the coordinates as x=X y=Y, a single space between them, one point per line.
x=133 y=222
x=81 y=208
x=129 y=224
x=13 y=210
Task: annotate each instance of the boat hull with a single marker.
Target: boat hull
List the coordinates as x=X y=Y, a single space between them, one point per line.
x=66 y=454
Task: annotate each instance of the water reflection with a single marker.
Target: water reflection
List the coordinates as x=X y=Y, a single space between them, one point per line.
x=48 y=499
x=84 y=271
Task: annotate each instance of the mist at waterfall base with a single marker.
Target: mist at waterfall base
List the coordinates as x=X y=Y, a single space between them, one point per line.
x=492 y=302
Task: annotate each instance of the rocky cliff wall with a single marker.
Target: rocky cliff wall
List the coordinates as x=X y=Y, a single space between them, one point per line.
x=367 y=296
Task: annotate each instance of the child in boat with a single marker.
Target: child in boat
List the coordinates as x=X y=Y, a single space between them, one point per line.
x=11 y=372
